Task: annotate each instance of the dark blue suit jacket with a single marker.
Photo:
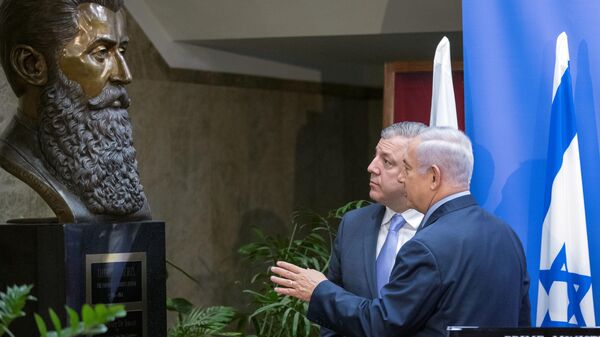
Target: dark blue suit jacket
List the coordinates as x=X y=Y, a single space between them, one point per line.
x=352 y=262
x=463 y=267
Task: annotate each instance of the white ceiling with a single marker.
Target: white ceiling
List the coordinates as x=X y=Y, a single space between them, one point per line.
x=336 y=41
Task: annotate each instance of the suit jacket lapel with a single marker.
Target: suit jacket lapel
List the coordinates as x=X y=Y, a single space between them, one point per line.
x=370 y=245
x=450 y=206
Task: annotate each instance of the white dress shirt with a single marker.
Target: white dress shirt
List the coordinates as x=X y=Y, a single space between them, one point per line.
x=413 y=220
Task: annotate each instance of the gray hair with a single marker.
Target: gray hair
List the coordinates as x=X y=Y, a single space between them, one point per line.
x=403 y=129
x=450 y=149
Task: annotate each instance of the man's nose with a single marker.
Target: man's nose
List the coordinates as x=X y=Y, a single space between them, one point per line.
x=401 y=177
x=120 y=71
x=372 y=168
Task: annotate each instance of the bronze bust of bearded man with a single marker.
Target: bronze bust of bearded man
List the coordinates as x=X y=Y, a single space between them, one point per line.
x=71 y=139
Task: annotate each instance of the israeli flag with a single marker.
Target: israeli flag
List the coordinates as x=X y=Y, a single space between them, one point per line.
x=565 y=282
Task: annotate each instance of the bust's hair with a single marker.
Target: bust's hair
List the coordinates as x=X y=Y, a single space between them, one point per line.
x=45 y=25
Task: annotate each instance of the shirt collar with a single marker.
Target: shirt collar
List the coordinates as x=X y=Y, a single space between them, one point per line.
x=442 y=201
x=413 y=217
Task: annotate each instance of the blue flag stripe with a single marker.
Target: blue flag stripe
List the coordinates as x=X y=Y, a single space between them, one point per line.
x=562 y=132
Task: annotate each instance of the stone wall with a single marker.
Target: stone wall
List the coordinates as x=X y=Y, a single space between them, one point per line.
x=221 y=153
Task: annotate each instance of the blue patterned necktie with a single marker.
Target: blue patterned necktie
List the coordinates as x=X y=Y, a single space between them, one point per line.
x=387 y=255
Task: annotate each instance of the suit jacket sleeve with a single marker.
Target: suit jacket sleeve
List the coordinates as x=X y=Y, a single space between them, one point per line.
x=525 y=309
x=407 y=301
x=334 y=272
x=525 y=312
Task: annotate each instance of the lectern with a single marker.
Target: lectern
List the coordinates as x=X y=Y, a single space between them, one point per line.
x=522 y=332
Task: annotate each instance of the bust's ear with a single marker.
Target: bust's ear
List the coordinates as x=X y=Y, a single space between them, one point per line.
x=29 y=64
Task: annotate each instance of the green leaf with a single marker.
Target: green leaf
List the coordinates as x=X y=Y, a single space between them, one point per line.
x=307 y=326
x=41 y=325
x=73 y=318
x=12 y=303
x=88 y=315
x=266 y=308
x=94 y=320
x=117 y=311
x=180 y=305
x=285 y=316
x=204 y=322
x=101 y=312
x=55 y=320
x=96 y=330
x=295 y=324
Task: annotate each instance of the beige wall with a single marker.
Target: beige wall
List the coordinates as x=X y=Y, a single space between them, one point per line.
x=219 y=154
x=235 y=19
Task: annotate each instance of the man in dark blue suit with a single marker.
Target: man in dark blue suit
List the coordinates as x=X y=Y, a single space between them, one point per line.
x=357 y=250
x=463 y=267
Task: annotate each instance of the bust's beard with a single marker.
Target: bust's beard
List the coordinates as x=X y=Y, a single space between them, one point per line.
x=88 y=146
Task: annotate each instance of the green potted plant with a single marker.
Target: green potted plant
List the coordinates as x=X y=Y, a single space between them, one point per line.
x=309 y=246
x=92 y=320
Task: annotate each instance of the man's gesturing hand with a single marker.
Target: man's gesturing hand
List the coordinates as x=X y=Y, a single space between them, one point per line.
x=295 y=281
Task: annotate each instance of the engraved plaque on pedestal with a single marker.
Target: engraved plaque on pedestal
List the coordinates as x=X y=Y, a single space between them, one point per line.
x=119 y=278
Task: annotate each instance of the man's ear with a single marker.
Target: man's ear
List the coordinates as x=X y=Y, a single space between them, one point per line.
x=29 y=64
x=436 y=177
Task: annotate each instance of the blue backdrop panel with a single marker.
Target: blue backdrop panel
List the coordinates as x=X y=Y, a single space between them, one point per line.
x=509 y=52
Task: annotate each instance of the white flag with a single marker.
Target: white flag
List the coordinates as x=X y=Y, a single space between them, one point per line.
x=443 y=105
x=565 y=283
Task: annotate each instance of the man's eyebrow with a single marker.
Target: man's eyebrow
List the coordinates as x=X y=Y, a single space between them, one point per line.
x=103 y=39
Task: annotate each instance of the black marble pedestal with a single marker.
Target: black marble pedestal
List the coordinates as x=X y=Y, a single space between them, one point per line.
x=74 y=264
